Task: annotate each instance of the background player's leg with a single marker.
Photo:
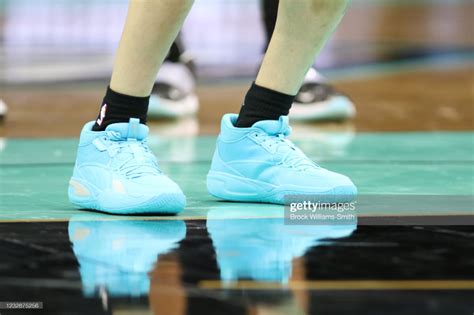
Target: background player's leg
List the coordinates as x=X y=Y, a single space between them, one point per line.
x=302 y=28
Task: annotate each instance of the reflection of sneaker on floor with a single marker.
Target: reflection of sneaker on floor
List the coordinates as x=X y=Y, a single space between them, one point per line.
x=116 y=172
x=173 y=94
x=262 y=249
x=317 y=100
x=3 y=109
x=118 y=255
x=259 y=164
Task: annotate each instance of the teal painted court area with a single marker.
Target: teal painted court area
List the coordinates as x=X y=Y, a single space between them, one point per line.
x=35 y=173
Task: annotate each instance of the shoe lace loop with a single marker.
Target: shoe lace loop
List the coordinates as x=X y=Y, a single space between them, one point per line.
x=293 y=157
x=132 y=157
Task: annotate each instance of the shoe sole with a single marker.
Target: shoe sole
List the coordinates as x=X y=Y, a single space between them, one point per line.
x=234 y=188
x=166 y=203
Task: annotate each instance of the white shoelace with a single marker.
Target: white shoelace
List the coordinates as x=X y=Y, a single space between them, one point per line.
x=133 y=157
x=294 y=157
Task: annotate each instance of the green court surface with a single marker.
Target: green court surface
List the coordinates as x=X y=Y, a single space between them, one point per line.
x=34 y=173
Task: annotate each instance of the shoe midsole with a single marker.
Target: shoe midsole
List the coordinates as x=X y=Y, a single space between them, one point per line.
x=231 y=187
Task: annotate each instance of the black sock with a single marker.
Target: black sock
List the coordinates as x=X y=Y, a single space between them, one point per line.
x=263 y=104
x=118 y=107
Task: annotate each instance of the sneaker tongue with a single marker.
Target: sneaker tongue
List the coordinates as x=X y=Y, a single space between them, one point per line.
x=131 y=130
x=274 y=127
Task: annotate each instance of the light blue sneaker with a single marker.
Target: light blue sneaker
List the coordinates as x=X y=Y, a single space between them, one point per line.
x=258 y=164
x=118 y=256
x=116 y=172
x=239 y=239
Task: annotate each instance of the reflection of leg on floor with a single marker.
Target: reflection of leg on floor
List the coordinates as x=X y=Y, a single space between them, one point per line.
x=197 y=256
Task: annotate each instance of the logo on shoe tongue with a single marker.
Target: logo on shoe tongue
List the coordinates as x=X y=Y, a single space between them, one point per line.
x=103 y=110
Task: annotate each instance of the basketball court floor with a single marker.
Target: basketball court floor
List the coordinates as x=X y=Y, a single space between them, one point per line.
x=412 y=143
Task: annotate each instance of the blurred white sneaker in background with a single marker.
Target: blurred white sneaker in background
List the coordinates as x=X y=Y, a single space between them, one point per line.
x=317 y=100
x=173 y=95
